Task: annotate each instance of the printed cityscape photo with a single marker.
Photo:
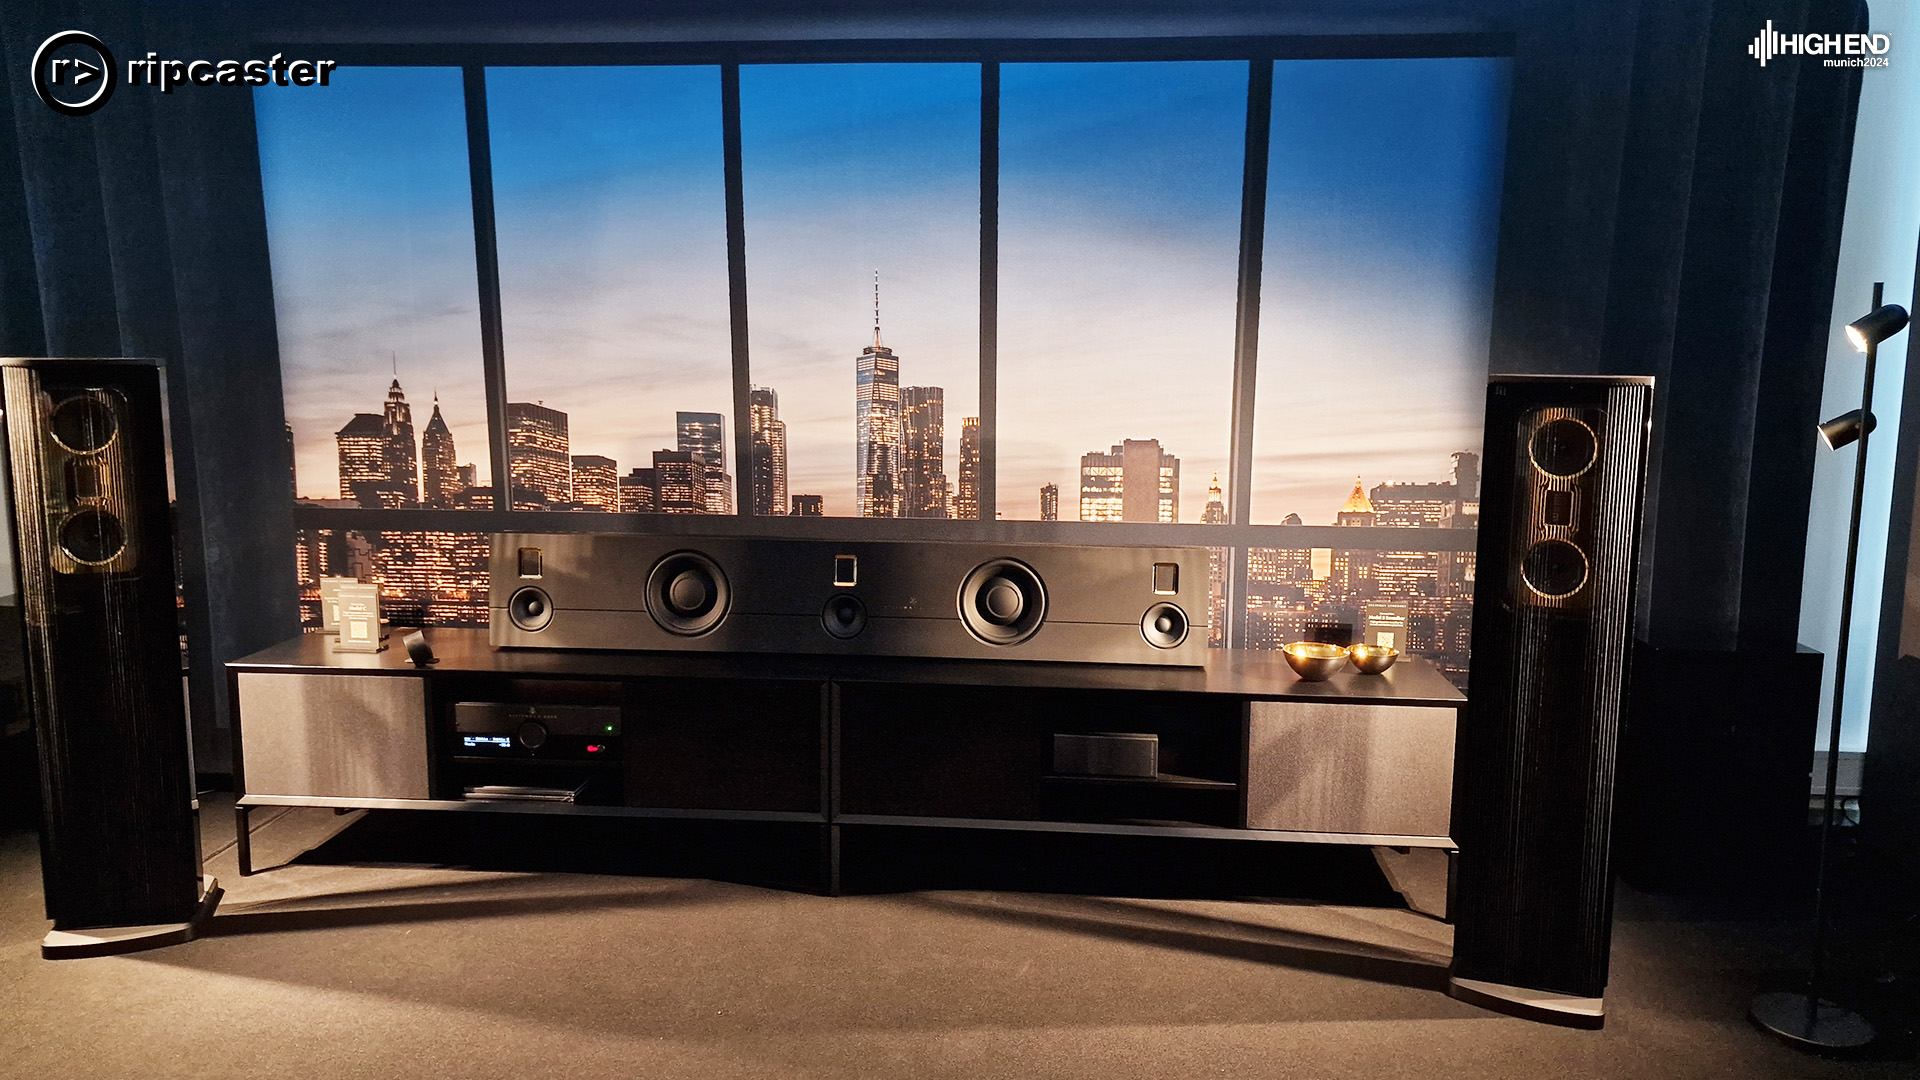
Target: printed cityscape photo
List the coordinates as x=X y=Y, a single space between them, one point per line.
x=1118 y=217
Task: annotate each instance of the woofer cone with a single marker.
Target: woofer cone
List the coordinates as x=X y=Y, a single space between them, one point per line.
x=92 y=536
x=83 y=424
x=1555 y=569
x=1002 y=602
x=687 y=594
x=1563 y=447
x=530 y=609
x=1164 y=626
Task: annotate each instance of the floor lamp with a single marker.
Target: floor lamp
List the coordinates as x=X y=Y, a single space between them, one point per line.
x=1802 y=1017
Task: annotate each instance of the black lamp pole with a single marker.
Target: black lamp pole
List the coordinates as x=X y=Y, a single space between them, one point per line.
x=1804 y=1019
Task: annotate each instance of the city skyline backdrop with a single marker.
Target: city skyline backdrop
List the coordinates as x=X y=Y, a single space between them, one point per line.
x=1119 y=230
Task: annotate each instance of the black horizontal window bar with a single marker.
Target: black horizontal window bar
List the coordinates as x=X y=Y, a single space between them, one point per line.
x=1123 y=533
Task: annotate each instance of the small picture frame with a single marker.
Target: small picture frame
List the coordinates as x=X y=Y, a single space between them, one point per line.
x=330 y=602
x=360 y=629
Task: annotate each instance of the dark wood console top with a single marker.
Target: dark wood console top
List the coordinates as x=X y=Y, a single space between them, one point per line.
x=1241 y=673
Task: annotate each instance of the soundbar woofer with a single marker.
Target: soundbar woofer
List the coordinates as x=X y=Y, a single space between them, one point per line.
x=1002 y=602
x=687 y=593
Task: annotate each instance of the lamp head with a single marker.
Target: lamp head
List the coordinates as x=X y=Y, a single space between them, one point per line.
x=1844 y=429
x=1876 y=326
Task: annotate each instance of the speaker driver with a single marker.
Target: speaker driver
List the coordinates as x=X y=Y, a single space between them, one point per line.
x=83 y=424
x=1563 y=447
x=1002 y=602
x=92 y=536
x=1164 y=626
x=687 y=593
x=530 y=609
x=1555 y=569
x=844 y=616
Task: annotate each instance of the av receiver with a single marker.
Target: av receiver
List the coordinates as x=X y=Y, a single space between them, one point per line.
x=1114 y=605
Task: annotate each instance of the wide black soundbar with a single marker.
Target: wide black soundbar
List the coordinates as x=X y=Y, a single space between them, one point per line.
x=1078 y=603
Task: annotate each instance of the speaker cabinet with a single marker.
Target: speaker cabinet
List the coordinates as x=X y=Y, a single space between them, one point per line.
x=86 y=442
x=1553 y=613
x=1115 y=605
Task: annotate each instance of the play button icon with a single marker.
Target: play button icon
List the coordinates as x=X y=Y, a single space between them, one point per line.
x=73 y=60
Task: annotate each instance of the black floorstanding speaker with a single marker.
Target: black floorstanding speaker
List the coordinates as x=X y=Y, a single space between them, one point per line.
x=93 y=546
x=1560 y=504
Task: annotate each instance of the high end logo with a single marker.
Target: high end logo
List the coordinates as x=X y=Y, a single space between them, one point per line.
x=1841 y=50
x=74 y=72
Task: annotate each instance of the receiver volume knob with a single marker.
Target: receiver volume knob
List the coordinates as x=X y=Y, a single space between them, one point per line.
x=533 y=735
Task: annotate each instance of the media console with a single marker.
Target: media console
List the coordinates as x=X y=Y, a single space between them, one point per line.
x=1239 y=748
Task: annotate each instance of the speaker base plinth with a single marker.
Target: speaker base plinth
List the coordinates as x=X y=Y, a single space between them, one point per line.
x=1810 y=1023
x=116 y=940
x=1544 y=1006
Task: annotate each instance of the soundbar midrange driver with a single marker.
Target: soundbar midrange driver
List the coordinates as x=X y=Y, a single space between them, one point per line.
x=1076 y=603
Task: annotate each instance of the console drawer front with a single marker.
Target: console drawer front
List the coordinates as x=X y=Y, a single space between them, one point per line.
x=1372 y=770
x=334 y=736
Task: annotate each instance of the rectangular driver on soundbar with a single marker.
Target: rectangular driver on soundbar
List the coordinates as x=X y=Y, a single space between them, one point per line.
x=1078 y=603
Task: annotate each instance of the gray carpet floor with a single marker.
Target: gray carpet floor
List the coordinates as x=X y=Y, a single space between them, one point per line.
x=349 y=971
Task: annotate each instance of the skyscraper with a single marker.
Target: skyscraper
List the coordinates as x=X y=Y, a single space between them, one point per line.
x=876 y=424
x=400 y=450
x=1050 y=503
x=596 y=483
x=1351 y=573
x=362 y=445
x=443 y=483
x=1134 y=481
x=966 y=499
x=704 y=435
x=679 y=483
x=767 y=471
x=923 y=452
x=636 y=492
x=1216 y=511
x=538 y=457
x=809 y=506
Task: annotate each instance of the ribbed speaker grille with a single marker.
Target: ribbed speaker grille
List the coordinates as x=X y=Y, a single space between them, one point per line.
x=1535 y=801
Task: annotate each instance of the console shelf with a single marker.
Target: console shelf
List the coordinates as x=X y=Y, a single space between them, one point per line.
x=862 y=742
x=1165 y=780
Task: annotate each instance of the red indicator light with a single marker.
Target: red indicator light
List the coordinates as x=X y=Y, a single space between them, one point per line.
x=594 y=748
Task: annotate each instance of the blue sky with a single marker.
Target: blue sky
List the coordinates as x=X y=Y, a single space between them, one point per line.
x=370 y=227
x=1120 y=206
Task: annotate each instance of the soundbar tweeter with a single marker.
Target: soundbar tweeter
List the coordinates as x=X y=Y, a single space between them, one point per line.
x=530 y=609
x=1164 y=626
x=845 y=616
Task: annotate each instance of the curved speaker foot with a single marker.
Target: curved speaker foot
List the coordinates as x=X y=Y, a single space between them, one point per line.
x=1544 y=1006
x=115 y=940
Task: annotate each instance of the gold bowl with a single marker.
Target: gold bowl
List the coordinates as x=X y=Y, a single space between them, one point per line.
x=1372 y=659
x=1314 y=660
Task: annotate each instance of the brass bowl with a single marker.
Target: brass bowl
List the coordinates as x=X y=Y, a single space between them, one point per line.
x=1313 y=660
x=1372 y=659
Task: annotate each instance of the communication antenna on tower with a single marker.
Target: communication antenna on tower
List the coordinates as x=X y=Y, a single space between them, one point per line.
x=876 y=307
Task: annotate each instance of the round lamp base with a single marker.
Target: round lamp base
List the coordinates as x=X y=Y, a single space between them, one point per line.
x=1809 y=1023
